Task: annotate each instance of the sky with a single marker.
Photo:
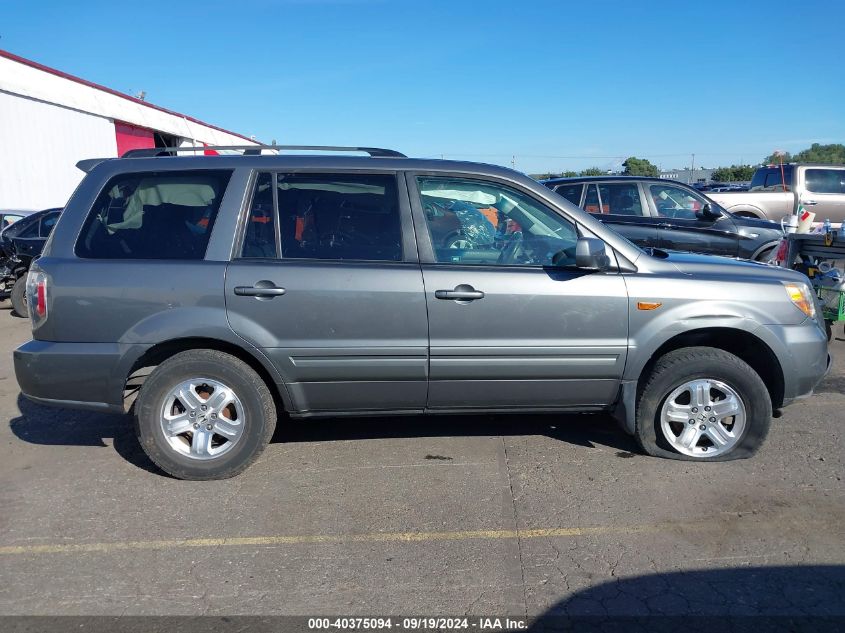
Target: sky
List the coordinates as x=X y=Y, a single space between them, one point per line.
x=543 y=86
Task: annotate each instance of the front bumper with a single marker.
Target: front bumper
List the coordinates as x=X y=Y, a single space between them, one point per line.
x=804 y=358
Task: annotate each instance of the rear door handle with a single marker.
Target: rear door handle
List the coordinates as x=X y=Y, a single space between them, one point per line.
x=262 y=289
x=809 y=203
x=462 y=292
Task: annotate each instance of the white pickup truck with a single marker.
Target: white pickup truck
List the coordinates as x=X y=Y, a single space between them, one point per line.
x=776 y=191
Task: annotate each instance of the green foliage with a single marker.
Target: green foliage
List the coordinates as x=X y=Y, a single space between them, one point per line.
x=734 y=173
x=593 y=171
x=569 y=174
x=640 y=167
x=832 y=154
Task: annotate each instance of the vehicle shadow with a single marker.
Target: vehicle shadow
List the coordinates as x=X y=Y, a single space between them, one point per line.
x=52 y=426
x=588 y=430
x=64 y=427
x=787 y=598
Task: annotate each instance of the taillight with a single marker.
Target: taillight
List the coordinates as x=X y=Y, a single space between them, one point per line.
x=36 y=293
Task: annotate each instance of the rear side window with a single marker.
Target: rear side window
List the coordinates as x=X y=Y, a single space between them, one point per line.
x=621 y=198
x=324 y=216
x=825 y=180
x=571 y=192
x=771 y=179
x=260 y=239
x=154 y=215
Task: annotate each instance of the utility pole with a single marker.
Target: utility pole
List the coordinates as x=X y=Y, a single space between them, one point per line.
x=513 y=162
x=692 y=170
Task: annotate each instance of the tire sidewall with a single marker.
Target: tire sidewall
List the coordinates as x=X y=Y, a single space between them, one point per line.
x=151 y=436
x=18 y=297
x=748 y=386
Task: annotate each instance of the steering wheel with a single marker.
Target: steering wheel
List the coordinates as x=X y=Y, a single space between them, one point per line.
x=508 y=254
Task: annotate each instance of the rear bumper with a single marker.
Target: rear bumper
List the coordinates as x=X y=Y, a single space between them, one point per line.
x=75 y=375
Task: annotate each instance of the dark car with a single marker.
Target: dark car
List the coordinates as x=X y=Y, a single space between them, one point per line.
x=20 y=243
x=653 y=212
x=10 y=216
x=28 y=226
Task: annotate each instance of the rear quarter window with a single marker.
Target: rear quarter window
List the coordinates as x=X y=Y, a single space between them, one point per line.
x=571 y=192
x=153 y=215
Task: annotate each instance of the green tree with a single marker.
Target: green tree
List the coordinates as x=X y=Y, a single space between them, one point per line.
x=828 y=154
x=640 y=167
x=593 y=171
x=772 y=159
x=734 y=173
x=569 y=174
x=831 y=154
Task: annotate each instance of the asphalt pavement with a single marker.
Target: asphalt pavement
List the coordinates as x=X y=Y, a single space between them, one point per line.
x=519 y=515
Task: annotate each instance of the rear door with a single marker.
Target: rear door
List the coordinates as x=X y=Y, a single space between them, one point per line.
x=682 y=230
x=512 y=323
x=825 y=193
x=327 y=283
x=620 y=206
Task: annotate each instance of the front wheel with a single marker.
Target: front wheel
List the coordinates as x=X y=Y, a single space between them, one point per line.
x=703 y=404
x=204 y=414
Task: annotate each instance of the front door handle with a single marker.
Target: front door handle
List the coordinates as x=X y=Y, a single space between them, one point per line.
x=809 y=203
x=462 y=292
x=262 y=289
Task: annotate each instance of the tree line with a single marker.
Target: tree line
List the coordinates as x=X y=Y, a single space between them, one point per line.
x=832 y=154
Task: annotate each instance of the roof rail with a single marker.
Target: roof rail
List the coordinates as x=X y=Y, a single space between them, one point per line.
x=255 y=150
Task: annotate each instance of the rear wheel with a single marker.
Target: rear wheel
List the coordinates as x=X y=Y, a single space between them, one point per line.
x=18 y=297
x=204 y=414
x=703 y=404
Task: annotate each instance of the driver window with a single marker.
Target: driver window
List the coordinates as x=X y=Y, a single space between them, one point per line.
x=483 y=223
x=675 y=202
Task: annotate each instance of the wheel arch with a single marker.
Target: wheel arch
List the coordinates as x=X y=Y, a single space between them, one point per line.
x=762 y=249
x=160 y=352
x=747 y=211
x=741 y=343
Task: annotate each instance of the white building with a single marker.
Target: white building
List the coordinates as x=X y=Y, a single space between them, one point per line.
x=49 y=120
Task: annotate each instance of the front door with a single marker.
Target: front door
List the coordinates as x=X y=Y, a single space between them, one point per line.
x=328 y=285
x=682 y=230
x=512 y=323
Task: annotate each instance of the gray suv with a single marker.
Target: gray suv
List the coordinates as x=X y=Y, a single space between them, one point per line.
x=237 y=287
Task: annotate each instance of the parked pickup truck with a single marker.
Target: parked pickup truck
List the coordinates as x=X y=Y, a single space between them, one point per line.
x=774 y=193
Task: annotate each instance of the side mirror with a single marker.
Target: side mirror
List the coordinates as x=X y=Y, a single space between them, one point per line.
x=590 y=254
x=708 y=212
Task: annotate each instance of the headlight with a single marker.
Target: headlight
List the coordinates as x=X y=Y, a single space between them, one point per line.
x=801 y=295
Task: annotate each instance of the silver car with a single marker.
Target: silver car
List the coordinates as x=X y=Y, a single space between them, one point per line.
x=245 y=286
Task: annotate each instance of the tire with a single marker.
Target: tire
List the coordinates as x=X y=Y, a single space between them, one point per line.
x=250 y=416
x=18 y=298
x=721 y=373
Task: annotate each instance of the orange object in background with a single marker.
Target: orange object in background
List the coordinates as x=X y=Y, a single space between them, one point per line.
x=492 y=214
x=300 y=227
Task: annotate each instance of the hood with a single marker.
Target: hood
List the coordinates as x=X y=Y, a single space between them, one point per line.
x=756 y=223
x=712 y=265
